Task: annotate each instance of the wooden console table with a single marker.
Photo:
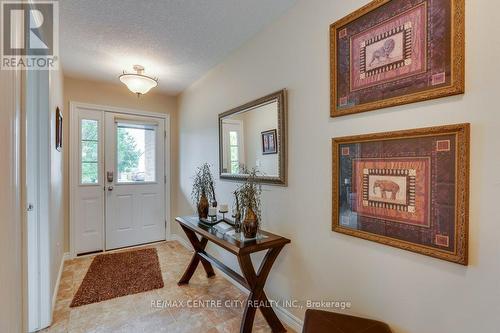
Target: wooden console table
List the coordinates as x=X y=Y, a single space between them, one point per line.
x=253 y=281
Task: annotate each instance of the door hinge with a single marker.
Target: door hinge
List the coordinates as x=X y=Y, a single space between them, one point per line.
x=164 y=179
x=165 y=133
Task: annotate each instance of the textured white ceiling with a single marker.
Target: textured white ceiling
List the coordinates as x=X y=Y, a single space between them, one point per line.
x=176 y=40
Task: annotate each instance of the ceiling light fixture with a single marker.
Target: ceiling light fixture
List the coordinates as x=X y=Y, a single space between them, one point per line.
x=138 y=83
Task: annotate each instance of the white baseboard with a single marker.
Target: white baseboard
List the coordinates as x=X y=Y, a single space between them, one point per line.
x=283 y=314
x=289 y=319
x=65 y=257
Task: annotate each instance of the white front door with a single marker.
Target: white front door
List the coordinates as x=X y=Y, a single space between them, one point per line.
x=135 y=183
x=119 y=188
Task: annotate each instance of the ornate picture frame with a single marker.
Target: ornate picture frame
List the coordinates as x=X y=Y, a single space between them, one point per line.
x=408 y=189
x=394 y=52
x=269 y=142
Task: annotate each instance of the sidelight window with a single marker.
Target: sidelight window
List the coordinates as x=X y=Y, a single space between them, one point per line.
x=89 y=151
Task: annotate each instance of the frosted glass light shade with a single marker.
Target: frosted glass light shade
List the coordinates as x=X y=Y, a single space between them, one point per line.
x=138 y=83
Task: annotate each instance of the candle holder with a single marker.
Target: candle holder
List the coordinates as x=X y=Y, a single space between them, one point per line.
x=223 y=212
x=213 y=218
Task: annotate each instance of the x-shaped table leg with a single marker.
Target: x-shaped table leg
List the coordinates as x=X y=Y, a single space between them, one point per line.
x=257 y=297
x=198 y=246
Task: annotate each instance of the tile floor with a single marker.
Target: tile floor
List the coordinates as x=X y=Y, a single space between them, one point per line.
x=134 y=313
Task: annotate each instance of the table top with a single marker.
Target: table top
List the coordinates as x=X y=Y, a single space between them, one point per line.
x=229 y=243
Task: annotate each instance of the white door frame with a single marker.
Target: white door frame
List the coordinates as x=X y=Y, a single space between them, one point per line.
x=37 y=179
x=13 y=306
x=73 y=178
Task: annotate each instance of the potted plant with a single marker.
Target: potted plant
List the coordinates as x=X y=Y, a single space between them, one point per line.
x=249 y=198
x=203 y=190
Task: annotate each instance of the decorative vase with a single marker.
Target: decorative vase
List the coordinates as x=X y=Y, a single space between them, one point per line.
x=203 y=206
x=250 y=224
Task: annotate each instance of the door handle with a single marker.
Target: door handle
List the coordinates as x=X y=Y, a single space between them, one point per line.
x=30 y=207
x=110 y=188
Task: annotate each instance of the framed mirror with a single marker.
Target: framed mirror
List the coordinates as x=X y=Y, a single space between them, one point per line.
x=254 y=135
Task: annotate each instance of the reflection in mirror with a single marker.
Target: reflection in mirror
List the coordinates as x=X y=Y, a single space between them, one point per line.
x=251 y=136
x=249 y=140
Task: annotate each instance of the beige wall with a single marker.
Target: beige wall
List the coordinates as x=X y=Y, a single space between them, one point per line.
x=412 y=292
x=117 y=95
x=255 y=122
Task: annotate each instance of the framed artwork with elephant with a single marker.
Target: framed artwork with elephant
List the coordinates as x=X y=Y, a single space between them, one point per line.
x=408 y=189
x=393 y=52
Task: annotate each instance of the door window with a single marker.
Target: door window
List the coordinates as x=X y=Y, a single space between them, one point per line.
x=136 y=153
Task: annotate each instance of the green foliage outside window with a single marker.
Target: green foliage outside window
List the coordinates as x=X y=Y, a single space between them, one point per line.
x=89 y=151
x=128 y=153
